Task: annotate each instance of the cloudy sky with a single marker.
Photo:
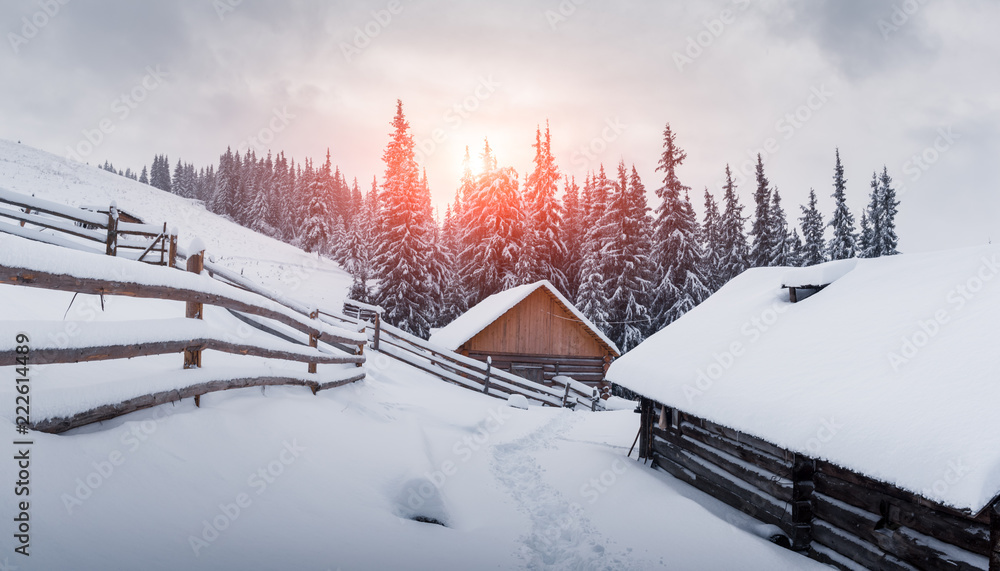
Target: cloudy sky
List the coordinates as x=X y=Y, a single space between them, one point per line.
x=912 y=85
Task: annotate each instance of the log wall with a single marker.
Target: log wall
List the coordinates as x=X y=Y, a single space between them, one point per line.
x=820 y=507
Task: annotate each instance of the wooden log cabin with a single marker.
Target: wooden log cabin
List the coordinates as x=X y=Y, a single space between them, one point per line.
x=534 y=332
x=860 y=419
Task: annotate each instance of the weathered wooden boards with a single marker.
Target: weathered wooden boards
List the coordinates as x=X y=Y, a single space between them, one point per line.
x=820 y=506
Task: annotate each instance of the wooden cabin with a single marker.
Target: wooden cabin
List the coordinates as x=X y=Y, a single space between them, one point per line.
x=860 y=419
x=534 y=332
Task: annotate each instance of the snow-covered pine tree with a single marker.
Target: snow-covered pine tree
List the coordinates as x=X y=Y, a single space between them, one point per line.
x=493 y=220
x=544 y=249
x=316 y=230
x=628 y=260
x=887 y=239
x=225 y=184
x=844 y=244
x=403 y=249
x=734 y=252
x=763 y=247
x=144 y=177
x=679 y=281
x=593 y=297
x=795 y=254
x=783 y=245
x=572 y=231
x=871 y=222
x=178 y=184
x=813 y=247
x=711 y=233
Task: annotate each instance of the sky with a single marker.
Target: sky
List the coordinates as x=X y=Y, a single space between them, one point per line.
x=907 y=84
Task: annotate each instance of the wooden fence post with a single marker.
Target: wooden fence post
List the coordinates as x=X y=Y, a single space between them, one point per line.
x=803 y=468
x=313 y=339
x=489 y=367
x=645 y=420
x=194 y=310
x=378 y=330
x=112 y=241
x=566 y=394
x=593 y=401
x=172 y=256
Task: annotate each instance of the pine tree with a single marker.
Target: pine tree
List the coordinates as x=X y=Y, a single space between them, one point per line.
x=493 y=220
x=680 y=283
x=711 y=234
x=813 y=247
x=871 y=222
x=843 y=245
x=734 y=251
x=783 y=244
x=144 y=177
x=887 y=239
x=225 y=184
x=593 y=297
x=544 y=249
x=572 y=231
x=628 y=258
x=403 y=250
x=763 y=246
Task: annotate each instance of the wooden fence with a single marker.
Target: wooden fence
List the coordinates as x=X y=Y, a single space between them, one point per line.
x=190 y=340
x=466 y=372
x=832 y=514
x=85 y=230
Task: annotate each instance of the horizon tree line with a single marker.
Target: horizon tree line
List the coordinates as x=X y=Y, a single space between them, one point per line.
x=630 y=269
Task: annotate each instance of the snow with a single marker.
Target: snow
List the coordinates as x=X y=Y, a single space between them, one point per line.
x=889 y=371
x=518 y=401
x=16 y=252
x=479 y=317
x=284 y=479
x=818 y=275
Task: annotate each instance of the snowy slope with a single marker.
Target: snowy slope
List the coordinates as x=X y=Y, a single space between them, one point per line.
x=277 y=265
x=284 y=479
x=891 y=371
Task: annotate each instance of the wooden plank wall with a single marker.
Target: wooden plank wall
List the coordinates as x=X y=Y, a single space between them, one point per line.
x=537 y=326
x=816 y=503
x=588 y=370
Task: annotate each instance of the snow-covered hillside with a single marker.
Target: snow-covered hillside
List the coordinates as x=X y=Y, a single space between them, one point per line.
x=277 y=265
x=352 y=478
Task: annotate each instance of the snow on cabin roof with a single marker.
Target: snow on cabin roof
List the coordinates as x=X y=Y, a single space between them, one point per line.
x=479 y=317
x=893 y=370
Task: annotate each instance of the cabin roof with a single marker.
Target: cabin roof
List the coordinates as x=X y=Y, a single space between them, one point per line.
x=480 y=316
x=892 y=370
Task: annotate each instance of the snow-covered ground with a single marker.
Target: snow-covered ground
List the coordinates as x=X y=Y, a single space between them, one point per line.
x=284 y=479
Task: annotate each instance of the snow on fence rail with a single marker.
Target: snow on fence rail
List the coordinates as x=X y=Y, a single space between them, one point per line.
x=40 y=265
x=89 y=231
x=467 y=372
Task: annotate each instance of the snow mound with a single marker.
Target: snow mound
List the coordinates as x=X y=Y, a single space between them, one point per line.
x=518 y=401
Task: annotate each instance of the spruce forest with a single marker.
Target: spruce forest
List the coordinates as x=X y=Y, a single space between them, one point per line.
x=630 y=266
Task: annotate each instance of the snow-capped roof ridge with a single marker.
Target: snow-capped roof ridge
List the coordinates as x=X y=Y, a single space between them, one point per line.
x=480 y=316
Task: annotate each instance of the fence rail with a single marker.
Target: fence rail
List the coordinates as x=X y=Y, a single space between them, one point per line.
x=466 y=372
x=99 y=232
x=190 y=336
